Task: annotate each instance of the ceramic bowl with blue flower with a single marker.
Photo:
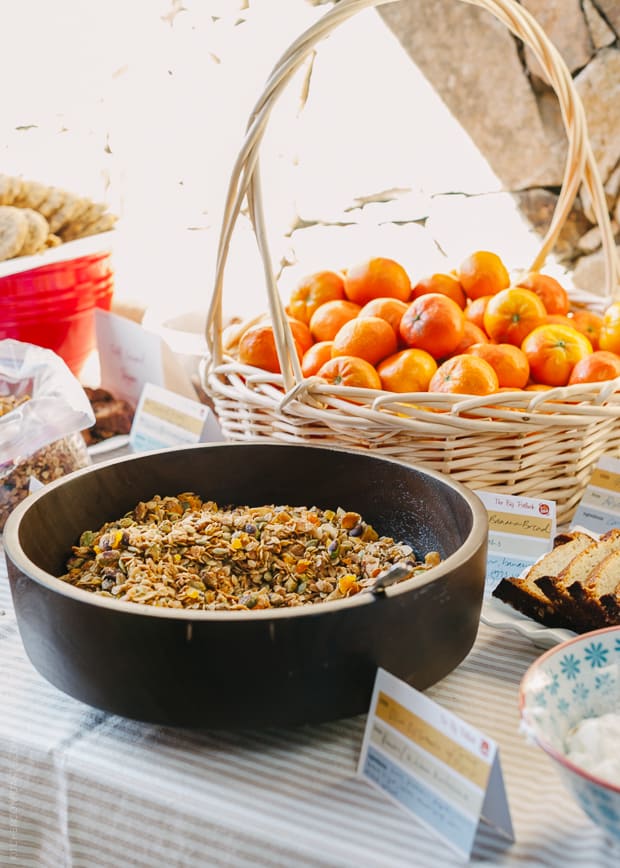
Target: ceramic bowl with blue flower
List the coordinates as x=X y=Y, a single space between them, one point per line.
x=570 y=706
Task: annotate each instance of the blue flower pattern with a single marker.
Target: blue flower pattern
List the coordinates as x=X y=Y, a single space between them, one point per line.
x=596 y=655
x=604 y=682
x=554 y=684
x=580 y=692
x=570 y=666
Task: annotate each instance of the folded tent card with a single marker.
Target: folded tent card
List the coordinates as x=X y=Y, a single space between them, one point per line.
x=433 y=764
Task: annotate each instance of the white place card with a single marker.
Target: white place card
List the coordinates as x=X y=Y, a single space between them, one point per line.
x=130 y=356
x=164 y=418
x=433 y=764
x=521 y=529
x=599 y=508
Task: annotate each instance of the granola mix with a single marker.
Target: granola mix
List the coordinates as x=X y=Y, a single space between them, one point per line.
x=181 y=552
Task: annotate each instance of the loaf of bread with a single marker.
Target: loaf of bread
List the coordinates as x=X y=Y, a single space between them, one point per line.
x=576 y=585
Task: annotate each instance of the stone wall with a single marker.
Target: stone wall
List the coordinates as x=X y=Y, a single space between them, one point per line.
x=495 y=87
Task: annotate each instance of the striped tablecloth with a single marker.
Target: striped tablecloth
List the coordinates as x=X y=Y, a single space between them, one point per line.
x=79 y=787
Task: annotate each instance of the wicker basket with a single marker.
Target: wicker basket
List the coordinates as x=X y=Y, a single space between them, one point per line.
x=540 y=444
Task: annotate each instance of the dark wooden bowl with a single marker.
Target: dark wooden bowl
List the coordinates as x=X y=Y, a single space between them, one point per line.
x=232 y=668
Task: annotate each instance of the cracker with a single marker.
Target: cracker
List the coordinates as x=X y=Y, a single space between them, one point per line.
x=38 y=230
x=7 y=189
x=32 y=194
x=13 y=231
x=54 y=200
x=72 y=207
x=76 y=227
x=101 y=224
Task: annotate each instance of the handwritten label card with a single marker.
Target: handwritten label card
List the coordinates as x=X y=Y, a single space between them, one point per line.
x=521 y=529
x=164 y=419
x=131 y=356
x=433 y=764
x=599 y=508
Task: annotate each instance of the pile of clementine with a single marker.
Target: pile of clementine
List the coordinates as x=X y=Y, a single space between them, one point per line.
x=471 y=331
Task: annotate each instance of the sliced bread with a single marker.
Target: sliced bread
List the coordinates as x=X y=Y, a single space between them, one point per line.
x=525 y=594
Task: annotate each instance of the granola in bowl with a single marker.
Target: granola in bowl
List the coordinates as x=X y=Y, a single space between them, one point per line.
x=181 y=552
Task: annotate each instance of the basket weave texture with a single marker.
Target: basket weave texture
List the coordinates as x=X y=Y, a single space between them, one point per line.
x=539 y=444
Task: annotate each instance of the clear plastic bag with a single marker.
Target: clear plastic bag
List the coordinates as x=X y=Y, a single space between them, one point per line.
x=43 y=409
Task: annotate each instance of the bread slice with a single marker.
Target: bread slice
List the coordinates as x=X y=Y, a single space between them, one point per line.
x=525 y=595
x=576 y=590
x=604 y=589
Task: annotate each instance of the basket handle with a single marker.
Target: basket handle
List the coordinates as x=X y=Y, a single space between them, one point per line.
x=245 y=177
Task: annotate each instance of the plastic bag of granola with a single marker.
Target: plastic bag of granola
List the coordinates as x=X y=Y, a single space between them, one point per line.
x=43 y=408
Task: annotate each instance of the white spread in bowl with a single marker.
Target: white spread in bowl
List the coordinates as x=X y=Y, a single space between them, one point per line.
x=593 y=746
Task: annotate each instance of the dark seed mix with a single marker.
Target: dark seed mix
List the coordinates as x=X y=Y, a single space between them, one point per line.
x=179 y=552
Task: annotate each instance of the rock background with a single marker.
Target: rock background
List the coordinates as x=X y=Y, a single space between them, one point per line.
x=496 y=89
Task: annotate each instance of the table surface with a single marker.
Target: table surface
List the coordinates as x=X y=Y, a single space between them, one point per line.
x=81 y=787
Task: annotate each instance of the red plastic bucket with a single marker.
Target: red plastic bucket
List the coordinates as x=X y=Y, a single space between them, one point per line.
x=53 y=306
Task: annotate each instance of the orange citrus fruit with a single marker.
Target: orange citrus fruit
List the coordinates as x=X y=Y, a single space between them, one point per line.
x=258 y=347
x=407 y=371
x=609 y=336
x=549 y=290
x=483 y=273
x=446 y=284
x=588 y=323
x=376 y=278
x=389 y=309
x=509 y=363
x=433 y=322
x=553 y=351
x=465 y=375
x=316 y=356
x=370 y=338
x=313 y=291
x=474 y=312
x=328 y=319
x=350 y=371
x=301 y=334
x=558 y=319
x=511 y=314
x=471 y=335
x=599 y=366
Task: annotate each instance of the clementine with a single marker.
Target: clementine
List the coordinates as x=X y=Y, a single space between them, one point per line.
x=483 y=273
x=313 y=291
x=553 y=351
x=464 y=375
x=509 y=363
x=433 y=322
x=376 y=278
x=474 y=311
x=370 y=338
x=512 y=314
x=350 y=371
x=446 y=284
x=609 y=337
x=257 y=347
x=316 y=356
x=407 y=371
x=599 y=366
x=589 y=324
x=471 y=335
x=557 y=318
x=329 y=318
x=389 y=309
x=301 y=334
x=549 y=290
